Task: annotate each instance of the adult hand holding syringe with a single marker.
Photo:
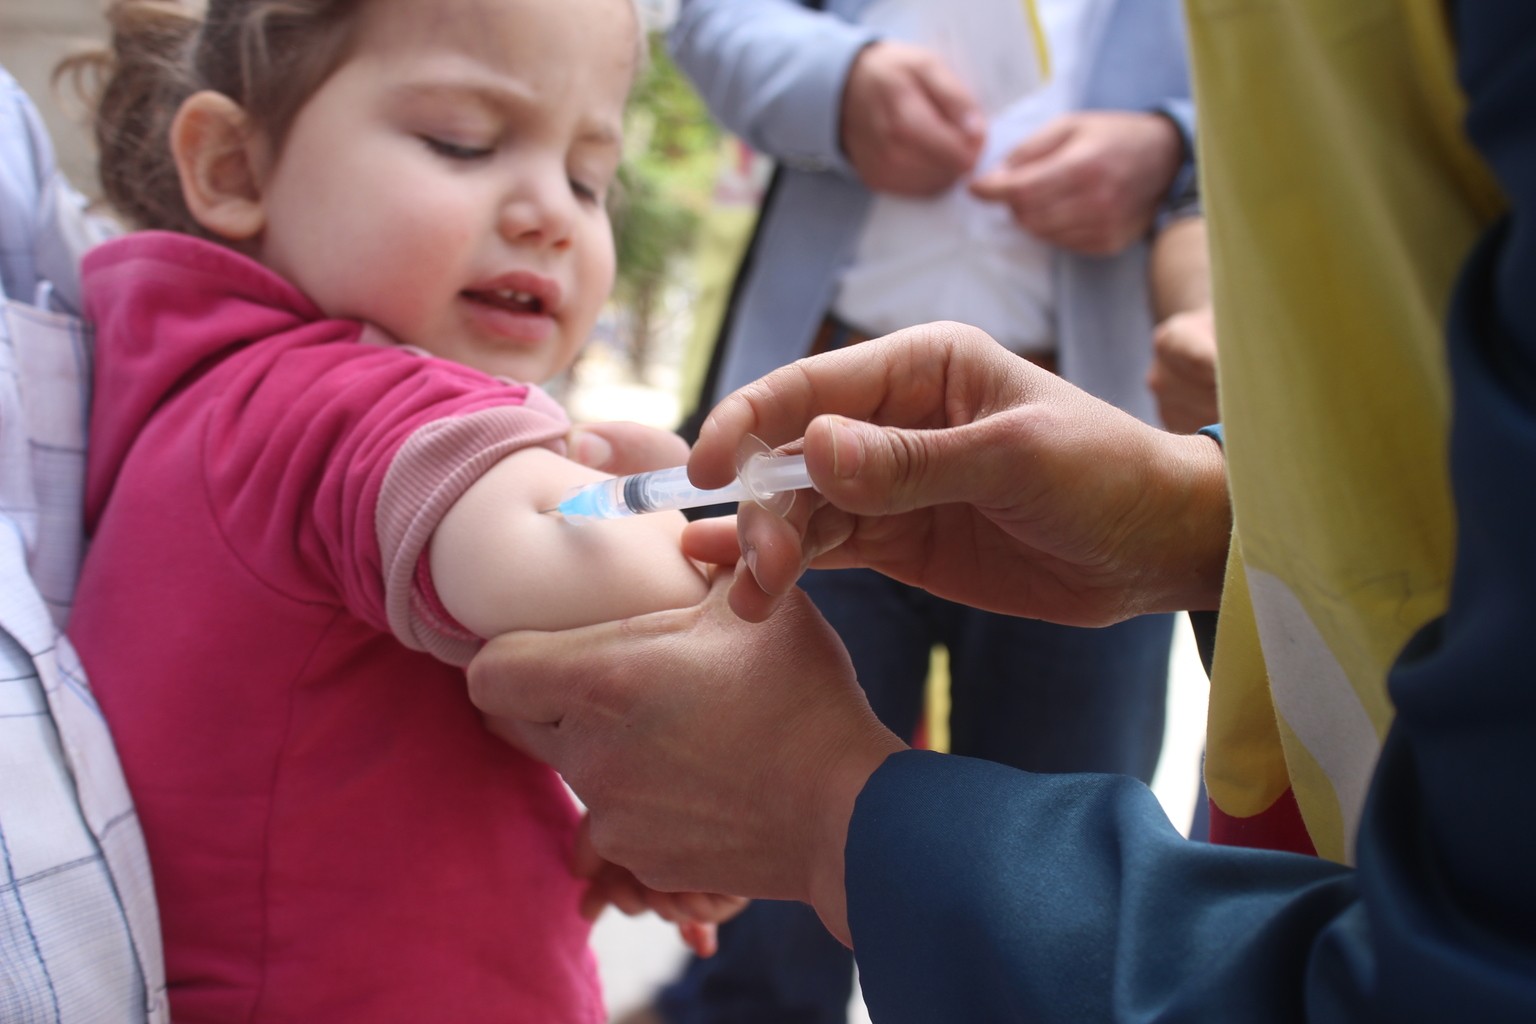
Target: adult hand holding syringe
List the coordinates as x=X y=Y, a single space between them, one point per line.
x=763 y=476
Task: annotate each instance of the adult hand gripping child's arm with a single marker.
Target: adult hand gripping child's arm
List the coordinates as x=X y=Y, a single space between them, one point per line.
x=497 y=541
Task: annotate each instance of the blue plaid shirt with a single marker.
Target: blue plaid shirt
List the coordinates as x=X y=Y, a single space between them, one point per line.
x=79 y=934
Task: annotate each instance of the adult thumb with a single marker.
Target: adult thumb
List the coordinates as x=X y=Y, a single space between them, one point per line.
x=1029 y=162
x=1041 y=144
x=877 y=470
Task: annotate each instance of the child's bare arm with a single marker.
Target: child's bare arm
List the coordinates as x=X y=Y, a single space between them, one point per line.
x=500 y=564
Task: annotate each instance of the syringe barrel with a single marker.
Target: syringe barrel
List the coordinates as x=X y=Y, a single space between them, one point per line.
x=767 y=475
x=667 y=489
x=761 y=479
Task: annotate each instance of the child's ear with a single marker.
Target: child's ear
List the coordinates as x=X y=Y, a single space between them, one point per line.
x=215 y=153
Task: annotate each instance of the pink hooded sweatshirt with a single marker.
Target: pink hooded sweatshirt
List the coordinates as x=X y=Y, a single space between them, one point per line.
x=334 y=835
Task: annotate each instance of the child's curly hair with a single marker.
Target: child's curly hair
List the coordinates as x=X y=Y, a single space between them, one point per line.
x=269 y=56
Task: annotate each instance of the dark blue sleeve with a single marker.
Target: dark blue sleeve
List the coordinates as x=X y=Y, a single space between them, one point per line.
x=978 y=893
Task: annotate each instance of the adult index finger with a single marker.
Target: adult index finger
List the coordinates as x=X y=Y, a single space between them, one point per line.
x=902 y=379
x=542 y=677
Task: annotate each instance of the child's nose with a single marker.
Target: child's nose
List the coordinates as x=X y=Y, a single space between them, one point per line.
x=540 y=210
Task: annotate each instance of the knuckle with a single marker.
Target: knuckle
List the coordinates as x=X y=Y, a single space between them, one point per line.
x=910 y=459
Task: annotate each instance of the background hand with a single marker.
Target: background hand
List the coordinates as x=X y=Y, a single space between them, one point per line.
x=1183 y=372
x=1182 y=376
x=1090 y=181
x=910 y=127
x=713 y=754
x=953 y=465
x=622 y=448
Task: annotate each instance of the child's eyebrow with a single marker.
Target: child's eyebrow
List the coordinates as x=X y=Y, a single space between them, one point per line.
x=498 y=99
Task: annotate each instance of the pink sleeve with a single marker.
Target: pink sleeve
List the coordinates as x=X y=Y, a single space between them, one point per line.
x=330 y=463
x=430 y=472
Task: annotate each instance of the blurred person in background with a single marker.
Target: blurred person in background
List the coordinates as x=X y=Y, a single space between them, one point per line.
x=910 y=189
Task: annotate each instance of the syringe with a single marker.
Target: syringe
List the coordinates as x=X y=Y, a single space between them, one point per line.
x=763 y=477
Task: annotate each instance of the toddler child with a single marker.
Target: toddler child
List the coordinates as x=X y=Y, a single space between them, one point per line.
x=315 y=480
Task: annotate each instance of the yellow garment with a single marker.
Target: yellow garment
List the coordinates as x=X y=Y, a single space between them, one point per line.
x=1341 y=550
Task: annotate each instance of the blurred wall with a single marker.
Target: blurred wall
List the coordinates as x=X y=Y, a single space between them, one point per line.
x=34 y=35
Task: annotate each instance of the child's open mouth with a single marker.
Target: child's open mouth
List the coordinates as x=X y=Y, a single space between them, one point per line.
x=509 y=299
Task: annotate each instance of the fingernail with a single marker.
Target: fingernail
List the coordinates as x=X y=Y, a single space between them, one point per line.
x=847 y=450
x=749 y=555
x=590 y=449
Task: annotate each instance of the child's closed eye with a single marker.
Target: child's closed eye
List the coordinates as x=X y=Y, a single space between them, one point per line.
x=456 y=150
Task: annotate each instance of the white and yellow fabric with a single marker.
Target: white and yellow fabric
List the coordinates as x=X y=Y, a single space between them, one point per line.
x=1341 y=550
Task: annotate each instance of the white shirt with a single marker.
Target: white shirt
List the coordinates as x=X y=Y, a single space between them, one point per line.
x=955 y=257
x=79 y=932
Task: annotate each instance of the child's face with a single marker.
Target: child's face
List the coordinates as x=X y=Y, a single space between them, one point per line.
x=447 y=183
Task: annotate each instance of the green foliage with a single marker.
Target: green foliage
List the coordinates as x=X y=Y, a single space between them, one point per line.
x=664 y=186
x=651 y=232
x=671 y=136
